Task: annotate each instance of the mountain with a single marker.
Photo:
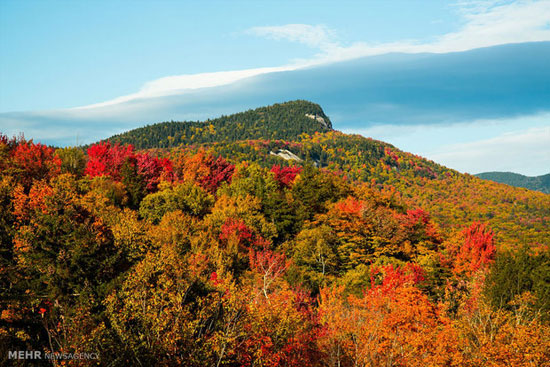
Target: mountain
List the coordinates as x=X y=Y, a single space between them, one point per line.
x=280 y=121
x=538 y=183
x=282 y=134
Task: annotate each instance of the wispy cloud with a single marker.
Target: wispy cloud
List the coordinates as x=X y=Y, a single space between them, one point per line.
x=316 y=36
x=485 y=23
x=489 y=23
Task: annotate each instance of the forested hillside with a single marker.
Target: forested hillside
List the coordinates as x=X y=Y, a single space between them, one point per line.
x=303 y=247
x=518 y=216
x=538 y=183
x=280 y=121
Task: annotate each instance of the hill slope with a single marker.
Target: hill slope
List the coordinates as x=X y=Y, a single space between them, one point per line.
x=537 y=183
x=279 y=121
x=266 y=135
x=518 y=216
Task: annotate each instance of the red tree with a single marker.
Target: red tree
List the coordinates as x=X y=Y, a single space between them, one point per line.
x=203 y=168
x=419 y=227
x=393 y=277
x=477 y=251
x=152 y=168
x=105 y=159
x=35 y=162
x=285 y=176
x=220 y=171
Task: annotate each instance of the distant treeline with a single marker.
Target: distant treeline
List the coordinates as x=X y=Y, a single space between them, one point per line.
x=538 y=183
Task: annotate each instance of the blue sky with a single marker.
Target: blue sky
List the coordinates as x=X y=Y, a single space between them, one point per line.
x=59 y=54
x=106 y=66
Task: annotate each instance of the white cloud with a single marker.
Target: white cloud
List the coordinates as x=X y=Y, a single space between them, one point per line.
x=525 y=152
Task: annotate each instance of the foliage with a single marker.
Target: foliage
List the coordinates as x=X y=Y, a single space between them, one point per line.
x=515 y=273
x=187 y=197
x=221 y=253
x=73 y=160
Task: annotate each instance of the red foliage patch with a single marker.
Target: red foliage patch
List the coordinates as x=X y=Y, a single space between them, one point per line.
x=35 y=162
x=418 y=222
x=220 y=171
x=237 y=230
x=105 y=159
x=393 y=277
x=477 y=251
x=285 y=176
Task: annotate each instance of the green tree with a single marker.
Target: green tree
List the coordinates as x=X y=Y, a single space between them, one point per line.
x=73 y=160
x=313 y=189
x=187 y=197
x=517 y=272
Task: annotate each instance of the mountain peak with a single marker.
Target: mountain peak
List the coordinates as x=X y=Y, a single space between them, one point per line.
x=285 y=121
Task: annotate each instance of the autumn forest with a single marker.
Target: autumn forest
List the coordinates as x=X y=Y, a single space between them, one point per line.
x=266 y=238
